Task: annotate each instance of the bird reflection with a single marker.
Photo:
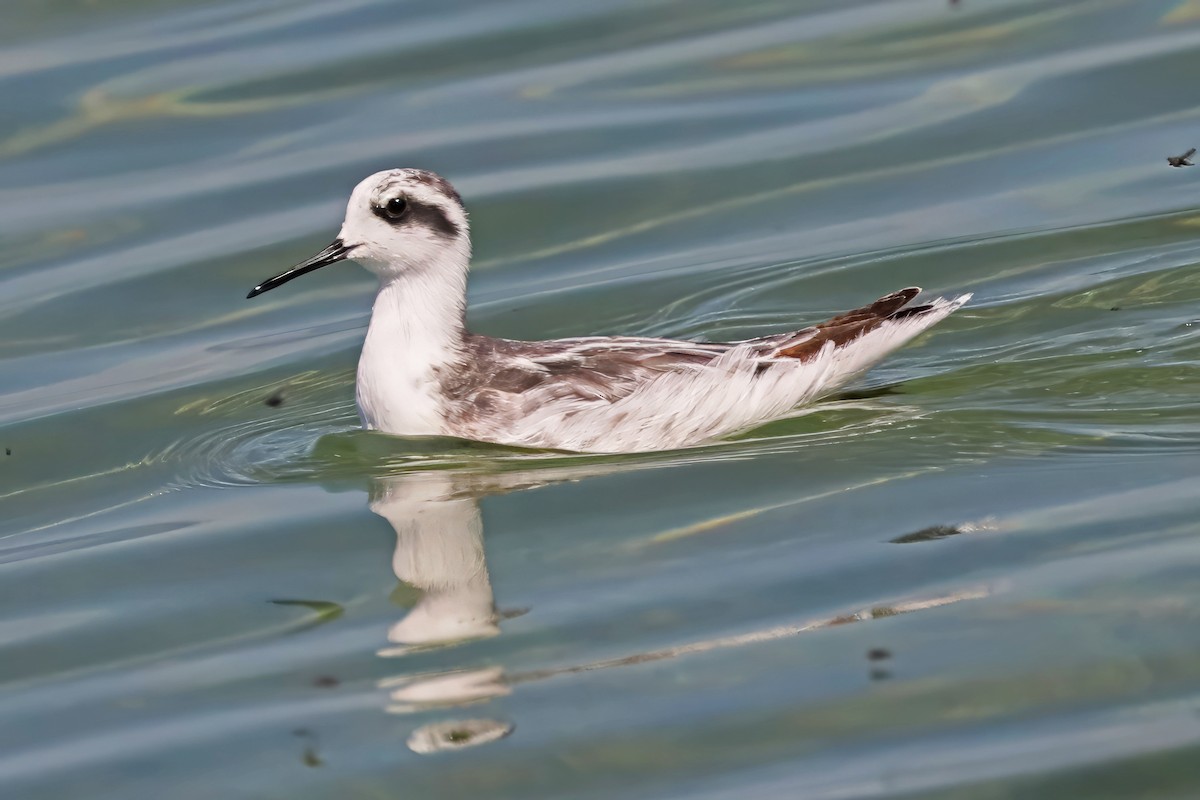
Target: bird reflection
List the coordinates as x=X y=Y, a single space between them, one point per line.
x=440 y=553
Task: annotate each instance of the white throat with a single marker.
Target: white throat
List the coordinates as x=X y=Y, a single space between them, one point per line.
x=416 y=329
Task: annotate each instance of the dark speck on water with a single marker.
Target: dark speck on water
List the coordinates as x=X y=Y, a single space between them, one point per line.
x=1183 y=160
x=276 y=399
x=928 y=534
x=878 y=654
x=8 y=451
x=310 y=757
x=1115 y=308
x=325 y=681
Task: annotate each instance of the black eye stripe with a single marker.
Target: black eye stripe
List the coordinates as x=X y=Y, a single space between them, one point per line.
x=418 y=215
x=433 y=218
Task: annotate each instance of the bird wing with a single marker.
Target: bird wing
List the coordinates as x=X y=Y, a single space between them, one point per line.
x=608 y=368
x=594 y=368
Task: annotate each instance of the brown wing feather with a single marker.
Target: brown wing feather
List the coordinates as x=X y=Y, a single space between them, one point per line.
x=845 y=328
x=592 y=368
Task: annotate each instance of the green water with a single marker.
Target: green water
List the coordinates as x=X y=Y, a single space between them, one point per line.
x=975 y=575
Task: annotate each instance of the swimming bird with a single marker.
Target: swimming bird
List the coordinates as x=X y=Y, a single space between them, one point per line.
x=422 y=373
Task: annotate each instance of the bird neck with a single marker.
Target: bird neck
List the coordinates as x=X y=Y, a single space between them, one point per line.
x=419 y=317
x=415 y=337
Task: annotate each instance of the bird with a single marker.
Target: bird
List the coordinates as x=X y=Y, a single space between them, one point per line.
x=422 y=373
x=1183 y=160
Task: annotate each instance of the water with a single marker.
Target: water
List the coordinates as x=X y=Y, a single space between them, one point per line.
x=972 y=576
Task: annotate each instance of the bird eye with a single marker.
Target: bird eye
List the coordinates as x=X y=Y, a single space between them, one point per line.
x=395 y=207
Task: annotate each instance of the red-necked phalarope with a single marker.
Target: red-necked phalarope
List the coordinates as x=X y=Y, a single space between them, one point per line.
x=422 y=373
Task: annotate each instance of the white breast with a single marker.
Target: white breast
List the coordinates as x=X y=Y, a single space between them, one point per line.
x=394 y=394
x=407 y=342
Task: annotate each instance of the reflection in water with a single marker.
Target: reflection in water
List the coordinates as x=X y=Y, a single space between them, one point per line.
x=439 y=551
x=453 y=735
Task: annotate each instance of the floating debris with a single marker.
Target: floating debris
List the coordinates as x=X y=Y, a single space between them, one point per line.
x=310 y=757
x=325 y=610
x=1183 y=160
x=275 y=400
x=8 y=451
x=928 y=534
x=934 y=532
x=326 y=682
x=876 y=655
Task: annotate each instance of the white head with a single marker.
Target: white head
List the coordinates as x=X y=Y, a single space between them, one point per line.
x=398 y=222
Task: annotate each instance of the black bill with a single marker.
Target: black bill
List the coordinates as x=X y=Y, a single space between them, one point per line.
x=332 y=254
